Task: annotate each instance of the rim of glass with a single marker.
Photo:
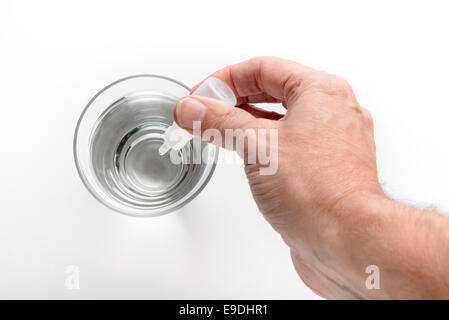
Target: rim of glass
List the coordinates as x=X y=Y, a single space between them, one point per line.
x=100 y=195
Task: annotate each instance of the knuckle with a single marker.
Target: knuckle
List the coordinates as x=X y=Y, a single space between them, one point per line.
x=340 y=83
x=331 y=84
x=263 y=58
x=339 y=86
x=257 y=60
x=367 y=117
x=292 y=85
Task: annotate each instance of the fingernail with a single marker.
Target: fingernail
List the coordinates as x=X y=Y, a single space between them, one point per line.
x=189 y=110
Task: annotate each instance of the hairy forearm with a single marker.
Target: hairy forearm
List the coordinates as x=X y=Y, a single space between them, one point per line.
x=409 y=246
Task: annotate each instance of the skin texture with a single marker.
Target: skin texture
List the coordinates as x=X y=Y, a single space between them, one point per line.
x=325 y=199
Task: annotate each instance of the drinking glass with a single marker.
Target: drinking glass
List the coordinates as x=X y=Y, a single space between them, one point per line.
x=116 y=148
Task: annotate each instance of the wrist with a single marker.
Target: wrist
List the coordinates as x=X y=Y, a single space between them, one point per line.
x=403 y=242
x=338 y=247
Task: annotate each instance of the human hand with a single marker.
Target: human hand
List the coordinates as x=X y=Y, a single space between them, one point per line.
x=326 y=147
x=326 y=166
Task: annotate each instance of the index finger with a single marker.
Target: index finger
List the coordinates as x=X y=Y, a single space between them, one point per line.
x=263 y=78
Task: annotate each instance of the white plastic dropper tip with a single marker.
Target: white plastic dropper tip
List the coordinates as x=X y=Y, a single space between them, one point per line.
x=163 y=149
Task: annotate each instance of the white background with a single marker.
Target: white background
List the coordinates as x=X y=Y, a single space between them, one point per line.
x=55 y=55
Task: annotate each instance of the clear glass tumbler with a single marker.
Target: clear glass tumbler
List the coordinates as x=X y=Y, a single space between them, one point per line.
x=116 y=148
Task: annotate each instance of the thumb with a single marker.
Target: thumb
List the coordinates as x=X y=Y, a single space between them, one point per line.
x=215 y=116
x=211 y=113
